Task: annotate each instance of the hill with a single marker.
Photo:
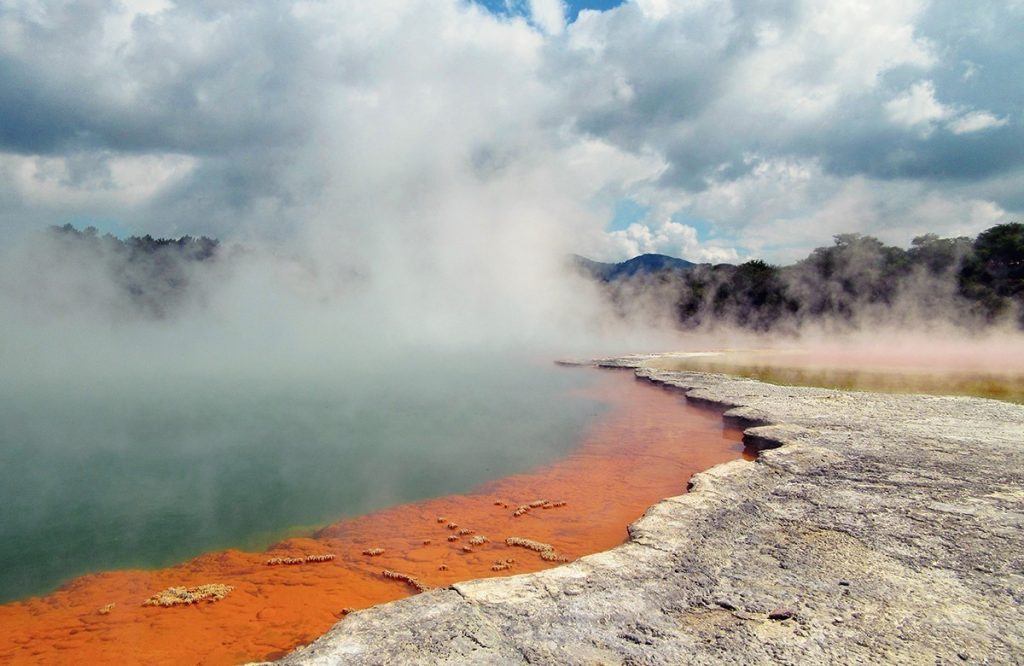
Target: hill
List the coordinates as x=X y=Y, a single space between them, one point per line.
x=645 y=264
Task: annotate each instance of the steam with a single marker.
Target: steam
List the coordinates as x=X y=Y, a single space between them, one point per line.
x=414 y=175
x=415 y=208
x=396 y=191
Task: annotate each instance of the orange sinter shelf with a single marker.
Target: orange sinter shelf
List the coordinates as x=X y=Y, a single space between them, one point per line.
x=253 y=606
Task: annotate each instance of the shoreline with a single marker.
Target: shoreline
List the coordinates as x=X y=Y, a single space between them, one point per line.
x=271 y=609
x=877 y=527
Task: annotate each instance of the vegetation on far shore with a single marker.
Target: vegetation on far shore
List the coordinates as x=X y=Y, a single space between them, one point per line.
x=149 y=276
x=965 y=282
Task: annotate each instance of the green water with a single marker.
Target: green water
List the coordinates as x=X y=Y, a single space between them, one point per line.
x=153 y=470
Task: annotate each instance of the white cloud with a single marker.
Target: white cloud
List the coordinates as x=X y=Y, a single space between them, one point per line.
x=975 y=121
x=917 y=107
x=782 y=209
x=549 y=15
x=764 y=214
x=91 y=181
x=706 y=82
x=803 y=69
x=971 y=70
x=656 y=9
x=414 y=127
x=864 y=206
x=665 y=237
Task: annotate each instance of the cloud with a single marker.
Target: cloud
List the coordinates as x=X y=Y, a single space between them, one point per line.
x=917 y=108
x=549 y=15
x=780 y=209
x=87 y=180
x=975 y=121
x=352 y=125
x=711 y=80
x=774 y=108
x=665 y=237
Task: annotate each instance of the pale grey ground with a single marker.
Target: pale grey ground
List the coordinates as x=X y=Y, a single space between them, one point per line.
x=888 y=526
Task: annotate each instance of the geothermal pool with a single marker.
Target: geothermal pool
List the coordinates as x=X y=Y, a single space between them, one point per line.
x=992 y=368
x=145 y=472
x=599 y=447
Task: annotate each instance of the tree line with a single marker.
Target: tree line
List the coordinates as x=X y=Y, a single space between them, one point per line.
x=152 y=275
x=858 y=280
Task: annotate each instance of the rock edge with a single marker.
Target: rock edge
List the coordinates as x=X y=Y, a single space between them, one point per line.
x=882 y=529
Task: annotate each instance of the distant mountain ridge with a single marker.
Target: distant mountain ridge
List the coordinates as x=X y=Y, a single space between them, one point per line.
x=643 y=264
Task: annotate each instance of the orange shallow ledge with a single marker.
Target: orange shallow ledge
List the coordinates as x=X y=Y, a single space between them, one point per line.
x=644 y=449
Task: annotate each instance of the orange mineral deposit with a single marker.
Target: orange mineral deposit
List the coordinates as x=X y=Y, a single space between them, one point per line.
x=230 y=607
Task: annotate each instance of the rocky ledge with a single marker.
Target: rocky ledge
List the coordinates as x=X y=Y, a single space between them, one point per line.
x=879 y=529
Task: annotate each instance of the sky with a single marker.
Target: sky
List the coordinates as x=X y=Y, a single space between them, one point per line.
x=710 y=130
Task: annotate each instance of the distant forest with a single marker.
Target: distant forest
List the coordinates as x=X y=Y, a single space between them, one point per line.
x=152 y=274
x=858 y=280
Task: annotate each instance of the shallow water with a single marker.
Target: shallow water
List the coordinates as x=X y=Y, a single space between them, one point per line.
x=984 y=371
x=645 y=447
x=147 y=471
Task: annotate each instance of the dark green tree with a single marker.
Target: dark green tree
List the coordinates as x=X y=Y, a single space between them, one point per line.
x=993 y=275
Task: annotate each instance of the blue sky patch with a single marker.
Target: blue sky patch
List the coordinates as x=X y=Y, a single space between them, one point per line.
x=626 y=213
x=522 y=7
x=600 y=5
x=105 y=225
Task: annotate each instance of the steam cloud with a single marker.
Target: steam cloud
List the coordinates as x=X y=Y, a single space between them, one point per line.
x=397 y=188
x=413 y=175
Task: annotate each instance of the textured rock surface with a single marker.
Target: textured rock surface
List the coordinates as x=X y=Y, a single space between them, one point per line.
x=884 y=529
